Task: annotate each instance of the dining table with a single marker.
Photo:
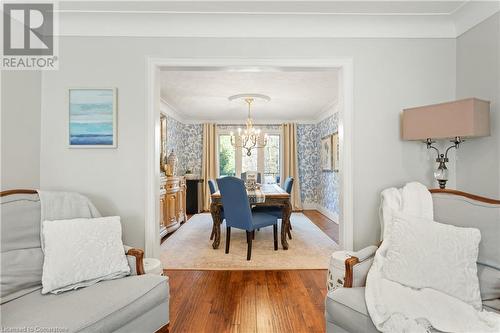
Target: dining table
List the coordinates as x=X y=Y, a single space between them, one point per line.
x=273 y=195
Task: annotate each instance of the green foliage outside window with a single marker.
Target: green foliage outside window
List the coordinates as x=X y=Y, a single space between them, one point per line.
x=226 y=157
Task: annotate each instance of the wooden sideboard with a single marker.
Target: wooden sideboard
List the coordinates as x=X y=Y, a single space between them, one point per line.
x=172 y=204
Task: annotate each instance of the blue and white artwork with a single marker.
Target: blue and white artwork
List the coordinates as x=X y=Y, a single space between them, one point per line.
x=92 y=118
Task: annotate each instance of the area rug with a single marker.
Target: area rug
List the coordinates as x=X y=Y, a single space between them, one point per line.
x=190 y=248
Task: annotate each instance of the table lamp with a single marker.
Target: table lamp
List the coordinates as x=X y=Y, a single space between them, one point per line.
x=457 y=120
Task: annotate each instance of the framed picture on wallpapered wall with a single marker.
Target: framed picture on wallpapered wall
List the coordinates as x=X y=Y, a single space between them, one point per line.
x=92 y=118
x=335 y=152
x=326 y=153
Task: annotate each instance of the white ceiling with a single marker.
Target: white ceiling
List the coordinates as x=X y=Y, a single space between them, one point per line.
x=295 y=96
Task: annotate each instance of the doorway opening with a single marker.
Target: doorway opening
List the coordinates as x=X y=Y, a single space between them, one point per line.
x=341 y=113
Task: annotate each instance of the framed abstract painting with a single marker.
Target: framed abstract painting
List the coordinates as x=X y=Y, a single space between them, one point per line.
x=92 y=118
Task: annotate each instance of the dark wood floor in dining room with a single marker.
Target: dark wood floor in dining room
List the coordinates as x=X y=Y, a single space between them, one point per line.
x=250 y=301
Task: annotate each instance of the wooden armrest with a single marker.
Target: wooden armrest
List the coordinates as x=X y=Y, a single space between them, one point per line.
x=349 y=265
x=352 y=261
x=139 y=256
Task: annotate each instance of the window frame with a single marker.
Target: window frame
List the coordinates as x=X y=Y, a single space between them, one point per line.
x=238 y=155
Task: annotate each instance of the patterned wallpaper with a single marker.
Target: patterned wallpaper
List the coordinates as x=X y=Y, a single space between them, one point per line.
x=187 y=142
x=316 y=186
x=328 y=188
x=308 y=148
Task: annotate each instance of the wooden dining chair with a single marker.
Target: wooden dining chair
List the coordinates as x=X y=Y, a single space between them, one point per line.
x=277 y=211
x=239 y=215
x=213 y=188
x=244 y=177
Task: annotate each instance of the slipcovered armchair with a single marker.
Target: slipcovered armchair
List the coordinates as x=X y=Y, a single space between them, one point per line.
x=135 y=303
x=345 y=307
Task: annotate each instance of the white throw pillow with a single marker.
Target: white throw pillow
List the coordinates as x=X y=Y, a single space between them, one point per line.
x=81 y=252
x=426 y=254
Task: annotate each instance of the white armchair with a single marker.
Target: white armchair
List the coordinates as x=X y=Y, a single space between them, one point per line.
x=135 y=258
x=349 y=269
x=345 y=307
x=136 y=303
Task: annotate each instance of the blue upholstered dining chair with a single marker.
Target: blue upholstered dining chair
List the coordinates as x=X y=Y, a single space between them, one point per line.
x=213 y=189
x=244 y=177
x=277 y=211
x=278 y=179
x=239 y=214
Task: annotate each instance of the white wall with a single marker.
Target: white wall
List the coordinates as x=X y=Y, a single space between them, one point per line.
x=478 y=75
x=20 y=129
x=389 y=75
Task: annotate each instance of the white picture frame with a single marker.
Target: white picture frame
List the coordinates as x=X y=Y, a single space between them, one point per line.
x=326 y=153
x=335 y=152
x=92 y=117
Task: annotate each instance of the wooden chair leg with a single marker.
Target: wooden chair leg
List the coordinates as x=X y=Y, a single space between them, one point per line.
x=212 y=234
x=228 y=238
x=253 y=234
x=275 y=235
x=289 y=233
x=249 y=241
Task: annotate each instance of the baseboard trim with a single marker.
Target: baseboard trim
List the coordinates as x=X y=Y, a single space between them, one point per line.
x=310 y=206
x=331 y=215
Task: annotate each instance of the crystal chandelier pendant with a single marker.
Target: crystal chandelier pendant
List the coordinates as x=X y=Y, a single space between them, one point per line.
x=249 y=138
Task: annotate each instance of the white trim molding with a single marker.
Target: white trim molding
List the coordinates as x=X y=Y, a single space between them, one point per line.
x=331 y=215
x=240 y=19
x=472 y=13
x=152 y=195
x=346 y=110
x=323 y=210
x=167 y=109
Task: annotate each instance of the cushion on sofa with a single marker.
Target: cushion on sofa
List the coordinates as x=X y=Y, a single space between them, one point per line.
x=346 y=308
x=21 y=255
x=103 y=307
x=468 y=213
x=489 y=282
x=428 y=254
x=81 y=252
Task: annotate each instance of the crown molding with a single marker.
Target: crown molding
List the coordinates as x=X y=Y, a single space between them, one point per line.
x=472 y=13
x=326 y=112
x=167 y=109
x=142 y=24
x=261 y=21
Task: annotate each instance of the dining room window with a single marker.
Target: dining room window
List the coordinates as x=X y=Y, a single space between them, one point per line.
x=267 y=160
x=249 y=163
x=272 y=158
x=227 y=161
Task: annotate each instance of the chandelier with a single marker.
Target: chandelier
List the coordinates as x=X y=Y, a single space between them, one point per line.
x=250 y=137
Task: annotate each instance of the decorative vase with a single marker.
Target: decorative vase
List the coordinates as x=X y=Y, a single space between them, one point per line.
x=172 y=162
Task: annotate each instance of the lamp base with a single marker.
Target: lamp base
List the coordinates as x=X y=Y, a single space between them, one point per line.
x=442 y=184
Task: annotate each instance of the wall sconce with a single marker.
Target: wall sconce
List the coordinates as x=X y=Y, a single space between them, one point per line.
x=456 y=120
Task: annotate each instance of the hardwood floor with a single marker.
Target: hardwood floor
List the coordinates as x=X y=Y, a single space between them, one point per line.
x=251 y=301
x=247 y=301
x=324 y=223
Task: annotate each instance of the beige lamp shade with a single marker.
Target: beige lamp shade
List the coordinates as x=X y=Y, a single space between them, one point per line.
x=464 y=118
